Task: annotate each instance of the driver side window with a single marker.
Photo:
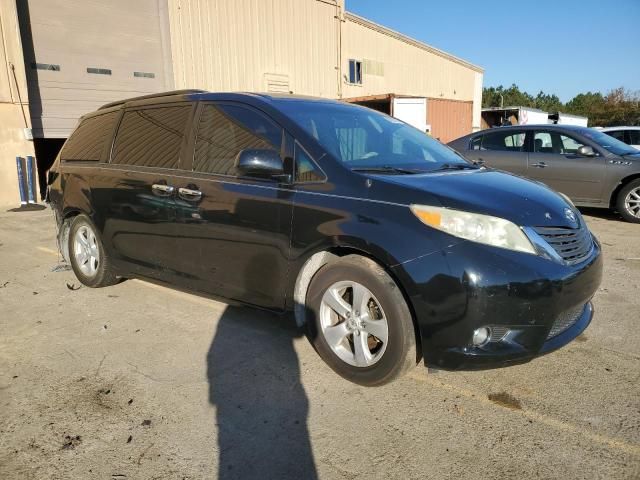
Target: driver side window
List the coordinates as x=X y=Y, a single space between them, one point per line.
x=555 y=143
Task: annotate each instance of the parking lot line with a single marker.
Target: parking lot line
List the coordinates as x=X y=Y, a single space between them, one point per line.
x=479 y=397
x=547 y=420
x=47 y=250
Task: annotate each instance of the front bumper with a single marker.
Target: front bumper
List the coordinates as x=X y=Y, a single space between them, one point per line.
x=517 y=295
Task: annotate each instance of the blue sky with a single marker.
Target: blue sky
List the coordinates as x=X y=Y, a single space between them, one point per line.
x=562 y=46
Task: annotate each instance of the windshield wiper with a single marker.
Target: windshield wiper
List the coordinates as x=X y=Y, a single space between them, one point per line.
x=386 y=169
x=455 y=166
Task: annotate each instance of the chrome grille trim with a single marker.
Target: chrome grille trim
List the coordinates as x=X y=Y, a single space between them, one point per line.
x=565 y=320
x=571 y=244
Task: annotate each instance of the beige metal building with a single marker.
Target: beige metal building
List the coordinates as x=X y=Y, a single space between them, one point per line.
x=71 y=56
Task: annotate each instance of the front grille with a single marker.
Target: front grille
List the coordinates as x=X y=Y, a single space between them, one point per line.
x=572 y=244
x=565 y=320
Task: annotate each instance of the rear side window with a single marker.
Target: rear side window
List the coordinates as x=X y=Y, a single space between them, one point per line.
x=634 y=137
x=151 y=137
x=508 y=141
x=88 y=140
x=226 y=130
x=617 y=134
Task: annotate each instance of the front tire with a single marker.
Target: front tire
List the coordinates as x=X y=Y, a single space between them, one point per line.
x=87 y=255
x=628 y=201
x=360 y=323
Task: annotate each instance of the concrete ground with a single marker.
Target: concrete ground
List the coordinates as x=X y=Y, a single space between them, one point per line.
x=139 y=381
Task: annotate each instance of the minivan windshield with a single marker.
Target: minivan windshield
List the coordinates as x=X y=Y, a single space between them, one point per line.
x=609 y=143
x=364 y=139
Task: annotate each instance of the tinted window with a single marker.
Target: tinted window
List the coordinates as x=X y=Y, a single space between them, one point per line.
x=306 y=169
x=617 y=134
x=88 y=140
x=508 y=141
x=554 y=142
x=151 y=137
x=634 y=137
x=225 y=130
x=607 y=142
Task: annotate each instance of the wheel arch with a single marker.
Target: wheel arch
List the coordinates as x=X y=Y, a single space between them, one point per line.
x=614 y=195
x=319 y=259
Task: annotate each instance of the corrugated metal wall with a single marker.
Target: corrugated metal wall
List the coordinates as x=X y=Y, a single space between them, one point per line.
x=449 y=119
x=256 y=45
x=392 y=65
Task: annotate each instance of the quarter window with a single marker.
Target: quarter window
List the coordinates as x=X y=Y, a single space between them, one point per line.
x=88 y=140
x=306 y=169
x=151 y=137
x=508 y=141
x=225 y=130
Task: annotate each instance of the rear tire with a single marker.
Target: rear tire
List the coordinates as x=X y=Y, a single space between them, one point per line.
x=628 y=201
x=87 y=255
x=372 y=341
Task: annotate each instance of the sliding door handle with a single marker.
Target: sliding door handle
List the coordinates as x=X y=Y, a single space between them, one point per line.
x=539 y=165
x=189 y=194
x=162 y=190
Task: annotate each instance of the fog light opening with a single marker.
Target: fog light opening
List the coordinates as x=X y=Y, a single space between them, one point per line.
x=481 y=336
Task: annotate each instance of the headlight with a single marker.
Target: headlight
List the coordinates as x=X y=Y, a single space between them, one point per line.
x=494 y=231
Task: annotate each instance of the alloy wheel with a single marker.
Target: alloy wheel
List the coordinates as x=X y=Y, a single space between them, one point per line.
x=87 y=254
x=353 y=323
x=632 y=202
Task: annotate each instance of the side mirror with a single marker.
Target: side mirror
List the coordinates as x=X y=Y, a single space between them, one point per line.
x=586 y=151
x=259 y=163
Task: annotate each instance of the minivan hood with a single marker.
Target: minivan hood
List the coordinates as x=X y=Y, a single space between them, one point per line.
x=490 y=192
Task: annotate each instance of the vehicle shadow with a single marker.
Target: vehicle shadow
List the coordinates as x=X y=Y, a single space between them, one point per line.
x=603 y=213
x=261 y=406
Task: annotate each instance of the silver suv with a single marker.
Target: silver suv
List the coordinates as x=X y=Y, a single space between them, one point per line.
x=590 y=167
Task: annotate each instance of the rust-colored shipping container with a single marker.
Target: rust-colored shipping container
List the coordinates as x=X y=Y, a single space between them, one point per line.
x=449 y=119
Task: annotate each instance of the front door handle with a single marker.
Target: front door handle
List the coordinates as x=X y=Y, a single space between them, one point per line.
x=539 y=165
x=162 y=190
x=189 y=194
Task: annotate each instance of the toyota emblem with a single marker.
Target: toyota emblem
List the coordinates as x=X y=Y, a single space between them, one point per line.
x=568 y=213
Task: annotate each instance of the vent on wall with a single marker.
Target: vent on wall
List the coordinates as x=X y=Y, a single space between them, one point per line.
x=144 y=74
x=373 y=67
x=99 y=71
x=276 y=83
x=45 y=66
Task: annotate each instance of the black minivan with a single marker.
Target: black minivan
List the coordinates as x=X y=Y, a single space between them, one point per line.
x=388 y=246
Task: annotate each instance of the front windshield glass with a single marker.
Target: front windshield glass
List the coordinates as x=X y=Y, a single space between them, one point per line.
x=609 y=143
x=365 y=139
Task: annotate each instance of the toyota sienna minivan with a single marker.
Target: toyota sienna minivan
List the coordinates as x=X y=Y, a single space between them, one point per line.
x=389 y=247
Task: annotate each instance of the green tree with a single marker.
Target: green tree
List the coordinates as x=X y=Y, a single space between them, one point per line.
x=618 y=107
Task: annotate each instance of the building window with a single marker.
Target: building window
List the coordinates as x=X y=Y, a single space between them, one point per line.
x=355 y=72
x=144 y=74
x=99 y=71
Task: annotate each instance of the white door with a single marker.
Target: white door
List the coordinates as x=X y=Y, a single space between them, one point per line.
x=411 y=110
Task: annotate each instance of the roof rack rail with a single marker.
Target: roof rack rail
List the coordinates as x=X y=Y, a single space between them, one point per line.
x=153 y=95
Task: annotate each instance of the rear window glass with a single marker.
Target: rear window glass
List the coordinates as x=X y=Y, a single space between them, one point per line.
x=508 y=141
x=88 y=140
x=151 y=137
